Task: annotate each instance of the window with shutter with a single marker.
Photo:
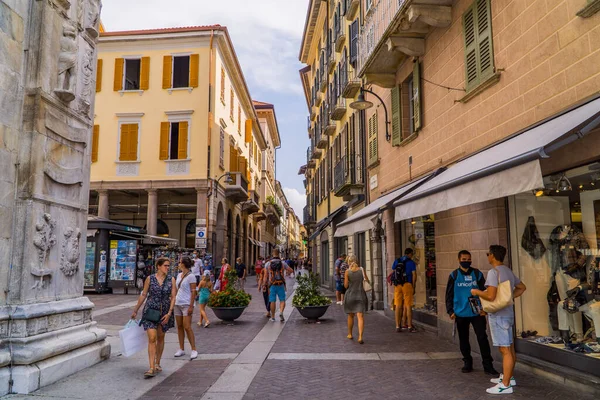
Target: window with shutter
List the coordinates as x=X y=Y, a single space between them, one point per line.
x=95 y=139
x=372 y=135
x=182 y=140
x=194 y=70
x=239 y=121
x=222 y=85
x=233 y=159
x=128 y=142
x=222 y=149
x=99 y=75
x=248 y=130
x=479 y=51
x=354 y=43
x=145 y=73
x=118 y=79
x=231 y=99
x=396 y=117
x=167 y=72
x=416 y=96
x=165 y=131
x=181 y=72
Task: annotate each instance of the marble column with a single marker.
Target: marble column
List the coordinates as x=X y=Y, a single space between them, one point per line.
x=47 y=87
x=377 y=263
x=103 y=203
x=152 y=213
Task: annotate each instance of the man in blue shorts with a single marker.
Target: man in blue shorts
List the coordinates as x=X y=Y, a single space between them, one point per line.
x=276 y=269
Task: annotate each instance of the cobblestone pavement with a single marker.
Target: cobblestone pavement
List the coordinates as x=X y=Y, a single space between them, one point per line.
x=256 y=359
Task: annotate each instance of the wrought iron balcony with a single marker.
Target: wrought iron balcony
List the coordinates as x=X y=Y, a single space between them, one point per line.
x=308 y=219
x=348 y=177
x=318 y=99
x=322 y=139
x=316 y=153
x=238 y=189
x=394 y=30
x=331 y=62
x=349 y=82
x=340 y=37
x=310 y=163
x=252 y=205
x=323 y=82
x=271 y=213
x=313 y=113
x=339 y=109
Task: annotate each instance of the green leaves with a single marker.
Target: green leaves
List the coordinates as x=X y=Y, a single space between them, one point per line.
x=308 y=292
x=230 y=296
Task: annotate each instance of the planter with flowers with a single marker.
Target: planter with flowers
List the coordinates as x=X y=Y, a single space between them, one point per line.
x=308 y=300
x=229 y=303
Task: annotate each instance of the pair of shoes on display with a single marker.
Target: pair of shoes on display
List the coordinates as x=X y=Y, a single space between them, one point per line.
x=549 y=340
x=526 y=334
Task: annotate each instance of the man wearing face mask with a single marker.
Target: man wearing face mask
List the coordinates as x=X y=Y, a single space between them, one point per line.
x=462 y=310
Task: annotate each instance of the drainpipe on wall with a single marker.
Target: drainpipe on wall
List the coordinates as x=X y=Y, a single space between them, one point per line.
x=209 y=180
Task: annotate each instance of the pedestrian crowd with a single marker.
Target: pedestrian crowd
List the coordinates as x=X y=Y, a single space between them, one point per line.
x=169 y=301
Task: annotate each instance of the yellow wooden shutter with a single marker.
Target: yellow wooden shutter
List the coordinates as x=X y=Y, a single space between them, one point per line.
x=145 y=73
x=133 y=141
x=165 y=128
x=118 y=84
x=99 y=75
x=124 y=144
x=194 y=66
x=183 y=140
x=248 y=131
x=95 y=137
x=233 y=159
x=242 y=165
x=167 y=72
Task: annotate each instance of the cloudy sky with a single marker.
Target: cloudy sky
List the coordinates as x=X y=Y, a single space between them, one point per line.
x=266 y=35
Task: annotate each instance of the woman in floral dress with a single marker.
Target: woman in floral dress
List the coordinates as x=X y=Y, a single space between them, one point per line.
x=159 y=293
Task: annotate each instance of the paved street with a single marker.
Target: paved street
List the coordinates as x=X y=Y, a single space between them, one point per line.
x=256 y=359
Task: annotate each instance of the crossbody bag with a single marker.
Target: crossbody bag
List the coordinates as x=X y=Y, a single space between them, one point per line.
x=152 y=314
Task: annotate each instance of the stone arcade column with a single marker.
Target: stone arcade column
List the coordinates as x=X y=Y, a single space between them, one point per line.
x=103 y=204
x=47 y=74
x=152 y=213
x=377 y=258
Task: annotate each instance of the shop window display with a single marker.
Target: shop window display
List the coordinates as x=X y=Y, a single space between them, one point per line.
x=555 y=251
x=419 y=235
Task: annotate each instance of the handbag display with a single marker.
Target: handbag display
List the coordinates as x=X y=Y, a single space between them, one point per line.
x=504 y=297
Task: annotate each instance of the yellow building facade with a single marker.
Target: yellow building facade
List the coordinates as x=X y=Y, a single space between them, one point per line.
x=177 y=141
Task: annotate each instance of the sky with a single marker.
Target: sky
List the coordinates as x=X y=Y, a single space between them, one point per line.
x=266 y=35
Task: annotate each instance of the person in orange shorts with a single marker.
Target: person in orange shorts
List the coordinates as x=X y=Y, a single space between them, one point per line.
x=404 y=279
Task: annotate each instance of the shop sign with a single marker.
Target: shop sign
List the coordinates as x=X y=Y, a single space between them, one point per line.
x=373 y=182
x=200 y=243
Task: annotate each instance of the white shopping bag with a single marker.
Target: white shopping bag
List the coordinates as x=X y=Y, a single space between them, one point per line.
x=133 y=338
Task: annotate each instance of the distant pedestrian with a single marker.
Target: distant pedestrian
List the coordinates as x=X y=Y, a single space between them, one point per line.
x=240 y=268
x=502 y=321
x=184 y=306
x=462 y=308
x=276 y=269
x=339 y=279
x=404 y=290
x=197 y=268
x=263 y=287
x=159 y=294
x=258 y=267
x=204 y=290
x=355 y=300
x=222 y=278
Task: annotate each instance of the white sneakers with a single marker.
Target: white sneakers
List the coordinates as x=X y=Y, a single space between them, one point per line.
x=179 y=353
x=339 y=303
x=193 y=354
x=513 y=382
x=500 y=388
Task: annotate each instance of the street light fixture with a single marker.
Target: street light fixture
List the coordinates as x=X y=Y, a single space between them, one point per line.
x=362 y=104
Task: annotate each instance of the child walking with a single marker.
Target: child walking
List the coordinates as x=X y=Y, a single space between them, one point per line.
x=205 y=289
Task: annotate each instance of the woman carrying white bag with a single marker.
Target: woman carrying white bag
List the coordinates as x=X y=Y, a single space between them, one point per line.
x=159 y=293
x=497 y=300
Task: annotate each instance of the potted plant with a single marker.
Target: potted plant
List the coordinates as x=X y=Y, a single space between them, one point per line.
x=229 y=303
x=308 y=300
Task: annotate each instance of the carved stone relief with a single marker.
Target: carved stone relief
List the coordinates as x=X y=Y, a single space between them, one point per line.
x=87 y=74
x=92 y=18
x=67 y=60
x=43 y=240
x=69 y=259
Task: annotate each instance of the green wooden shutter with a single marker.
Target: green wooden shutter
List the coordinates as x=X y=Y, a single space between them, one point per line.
x=470 y=35
x=375 y=150
x=372 y=139
x=485 y=48
x=396 y=117
x=416 y=96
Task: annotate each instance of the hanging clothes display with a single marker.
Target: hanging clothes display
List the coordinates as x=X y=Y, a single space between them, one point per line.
x=531 y=241
x=567 y=245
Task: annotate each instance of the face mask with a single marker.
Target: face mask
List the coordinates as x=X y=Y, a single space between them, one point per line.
x=465 y=264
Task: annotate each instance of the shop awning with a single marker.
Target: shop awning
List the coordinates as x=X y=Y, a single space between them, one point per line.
x=361 y=221
x=159 y=240
x=505 y=169
x=326 y=221
x=254 y=242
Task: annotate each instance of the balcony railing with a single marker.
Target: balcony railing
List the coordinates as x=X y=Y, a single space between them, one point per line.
x=352 y=9
x=318 y=99
x=349 y=83
x=237 y=190
x=348 y=179
x=377 y=22
x=310 y=163
x=339 y=109
x=330 y=60
x=340 y=36
x=307 y=216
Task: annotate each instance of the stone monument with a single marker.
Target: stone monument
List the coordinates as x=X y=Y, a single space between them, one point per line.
x=47 y=74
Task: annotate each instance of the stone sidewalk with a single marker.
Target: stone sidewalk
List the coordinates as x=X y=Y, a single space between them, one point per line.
x=257 y=359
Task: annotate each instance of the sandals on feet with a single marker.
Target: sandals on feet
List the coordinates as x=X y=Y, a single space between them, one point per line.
x=361 y=341
x=151 y=373
x=207 y=325
x=158 y=369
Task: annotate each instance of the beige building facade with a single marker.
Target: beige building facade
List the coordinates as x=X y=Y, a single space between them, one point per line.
x=486 y=128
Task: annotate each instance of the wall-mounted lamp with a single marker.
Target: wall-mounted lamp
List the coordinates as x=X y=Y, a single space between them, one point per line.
x=362 y=104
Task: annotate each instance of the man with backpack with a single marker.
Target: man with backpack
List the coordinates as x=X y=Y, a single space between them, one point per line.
x=404 y=279
x=465 y=310
x=276 y=269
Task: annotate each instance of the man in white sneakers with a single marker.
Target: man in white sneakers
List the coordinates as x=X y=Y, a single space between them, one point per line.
x=502 y=321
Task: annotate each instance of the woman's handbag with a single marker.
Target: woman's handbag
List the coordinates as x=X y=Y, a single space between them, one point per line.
x=504 y=297
x=152 y=314
x=366 y=285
